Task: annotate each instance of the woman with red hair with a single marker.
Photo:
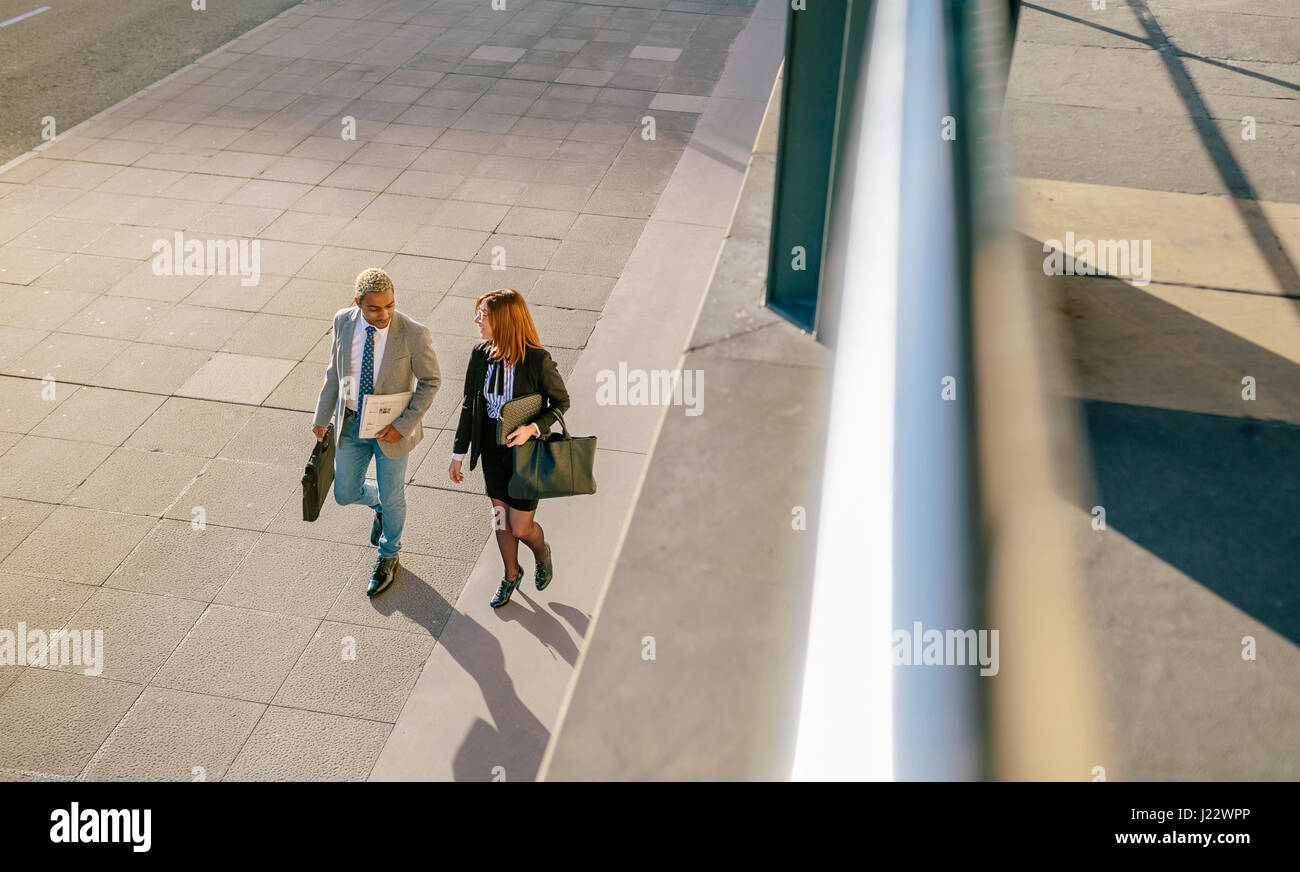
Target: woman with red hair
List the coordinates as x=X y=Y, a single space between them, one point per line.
x=509 y=363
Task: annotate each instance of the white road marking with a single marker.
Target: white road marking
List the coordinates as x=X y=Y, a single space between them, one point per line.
x=24 y=15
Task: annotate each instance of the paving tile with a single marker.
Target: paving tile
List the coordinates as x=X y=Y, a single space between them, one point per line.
x=311 y=228
x=571 y=290
x=300 y=389
x=504 y=54
x=237 y=653
x=8 y=675
x=47 y=470
x=415 y=274
x=445 y=410
x=606 y=230
x=42 y=200
x=268 y=335
x=61 y=234
x=326 y=148
x=274 y=436
x=159 y=369
x=312 y=298
x=144 y=283
x=168 y=734
x=419 y=601
x=66 y=357
x=356 y=671
x=296 y=745
x=529 y=252
x=208 y=188
x=478 y=278
x=176 y=559
x=18 y=518
x=235 y=378
x=399 y=207
x=39 y=308
x=564 y=45
x=140 y=631
x=444 y=159
x=655 y=53
x=25 y=402
x=624 y=204
x=55 y=721
x=591 y=258
x=282 y=258
x=390 y=155
x=126 y=241
x=116 y=317
x=232 y=220
x=137 y=181
x=237 y=494
x=137 y=482
x=445 y=242
x=185 y=426
x=194 y=327
x=463 y=523
x=501 y=191
x=469 y=216
x=344 y=202
x=375 y=235
x=40 y=603
x=75 y=544
x=76 y=174
x=485 y=122
x=12 y=225
x=529 y=221
x=298 y=170
x=678 y=103
x=548 y=195
x=294 y=576
x=363 y=177
x=342 y=264
x=229 y=292
x=574 y=76
x=97 y=415
x=268 y=193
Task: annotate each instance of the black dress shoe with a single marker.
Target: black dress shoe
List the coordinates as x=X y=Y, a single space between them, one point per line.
x=385 y=574
x=506 y=589
x=545 y=571
x=377 y=528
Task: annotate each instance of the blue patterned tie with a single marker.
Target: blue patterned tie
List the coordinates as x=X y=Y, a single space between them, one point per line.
x=368 y=365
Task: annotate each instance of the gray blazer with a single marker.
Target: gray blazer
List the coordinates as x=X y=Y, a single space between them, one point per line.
x=408 y=364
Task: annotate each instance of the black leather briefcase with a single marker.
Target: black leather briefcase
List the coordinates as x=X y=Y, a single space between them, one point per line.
x=319 y=475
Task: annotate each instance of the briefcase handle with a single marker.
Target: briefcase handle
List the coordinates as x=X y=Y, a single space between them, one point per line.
x=324 y=444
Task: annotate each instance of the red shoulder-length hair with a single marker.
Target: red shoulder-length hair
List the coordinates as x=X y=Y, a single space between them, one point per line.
x=513 y=332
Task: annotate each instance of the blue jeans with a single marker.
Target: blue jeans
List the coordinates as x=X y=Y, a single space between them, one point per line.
x=351 y=459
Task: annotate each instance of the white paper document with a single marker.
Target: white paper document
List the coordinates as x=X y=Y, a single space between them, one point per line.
x=380 y=410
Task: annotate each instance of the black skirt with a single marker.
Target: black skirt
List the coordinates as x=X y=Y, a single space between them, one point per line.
x=498 y=464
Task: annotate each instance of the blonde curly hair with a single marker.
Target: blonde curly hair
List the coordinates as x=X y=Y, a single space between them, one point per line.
x=373 y=281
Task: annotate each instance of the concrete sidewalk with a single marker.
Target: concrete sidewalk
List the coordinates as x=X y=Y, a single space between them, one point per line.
x=1176 y=122
x=155 y=427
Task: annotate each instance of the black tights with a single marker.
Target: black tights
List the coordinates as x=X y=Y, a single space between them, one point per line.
x=512 y=527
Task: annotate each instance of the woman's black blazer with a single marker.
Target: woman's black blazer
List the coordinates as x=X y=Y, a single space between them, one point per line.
x=535 y=374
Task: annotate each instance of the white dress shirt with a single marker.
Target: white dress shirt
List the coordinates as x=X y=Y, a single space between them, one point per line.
x=358 y=350
x=494 y=399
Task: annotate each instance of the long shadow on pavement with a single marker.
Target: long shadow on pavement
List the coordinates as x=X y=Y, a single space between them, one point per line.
x=1183 y=465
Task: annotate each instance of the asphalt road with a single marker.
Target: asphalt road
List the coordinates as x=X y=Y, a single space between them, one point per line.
x=81 y=56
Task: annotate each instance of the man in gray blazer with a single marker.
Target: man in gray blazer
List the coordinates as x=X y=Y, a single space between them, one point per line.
x=376 y=350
